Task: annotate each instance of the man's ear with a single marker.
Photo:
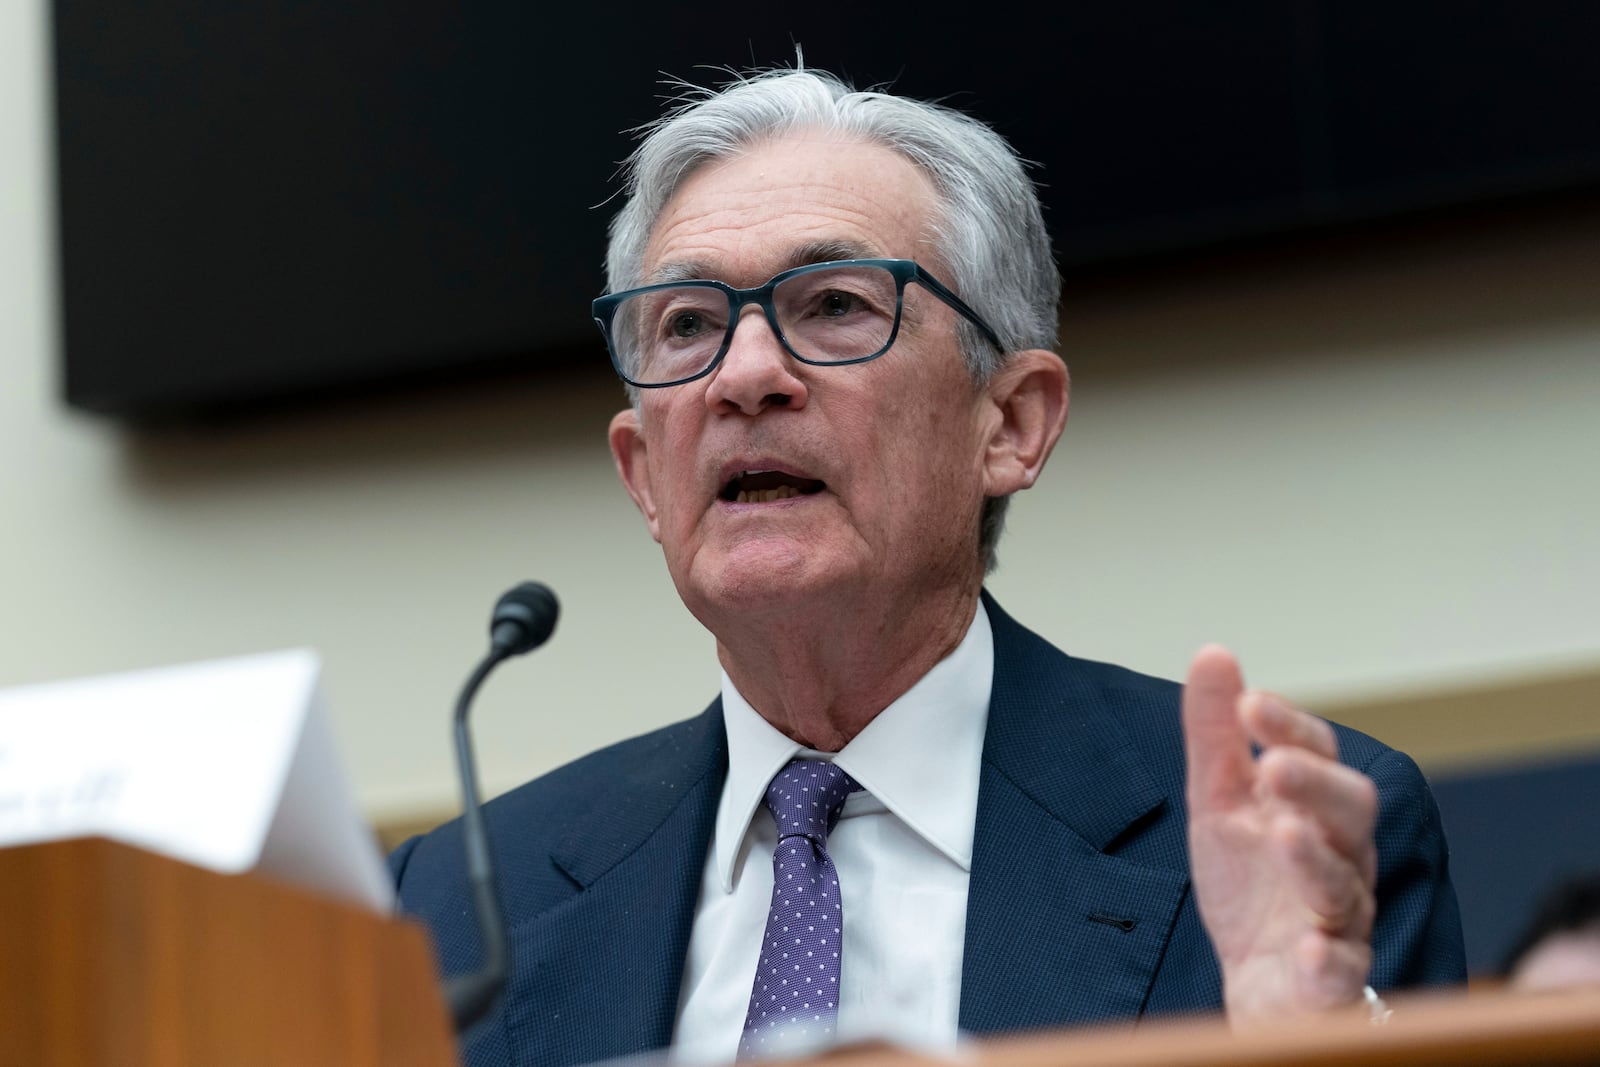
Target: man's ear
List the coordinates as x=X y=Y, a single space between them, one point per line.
x=1030 y=393
x=631 y=454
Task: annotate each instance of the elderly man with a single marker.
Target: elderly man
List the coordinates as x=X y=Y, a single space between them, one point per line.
x=906 y=815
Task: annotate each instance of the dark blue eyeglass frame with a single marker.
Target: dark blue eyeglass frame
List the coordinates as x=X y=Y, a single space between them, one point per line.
x=604 y=310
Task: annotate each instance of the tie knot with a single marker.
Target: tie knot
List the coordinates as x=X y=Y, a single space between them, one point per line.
x=805 y=798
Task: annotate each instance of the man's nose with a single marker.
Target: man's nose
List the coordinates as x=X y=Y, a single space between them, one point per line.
x=757 y=372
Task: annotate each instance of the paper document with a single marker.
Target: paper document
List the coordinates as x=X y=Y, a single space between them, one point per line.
x=228 y=765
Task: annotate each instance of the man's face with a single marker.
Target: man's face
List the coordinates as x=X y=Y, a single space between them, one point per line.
x=885 y=460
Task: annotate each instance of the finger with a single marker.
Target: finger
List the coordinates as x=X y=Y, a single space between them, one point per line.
x=1342 y=802
x=1272 y=720
x=1216 y=747
x=1330 y=887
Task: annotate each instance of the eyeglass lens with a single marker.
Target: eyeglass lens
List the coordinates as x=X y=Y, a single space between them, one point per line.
x=826 y=316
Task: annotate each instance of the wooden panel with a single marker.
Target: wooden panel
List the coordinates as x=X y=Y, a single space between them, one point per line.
x=1508 y=721
x=115 y=956
x=391 y=832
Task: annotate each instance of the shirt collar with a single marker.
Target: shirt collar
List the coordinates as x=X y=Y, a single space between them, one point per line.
x=920 y=756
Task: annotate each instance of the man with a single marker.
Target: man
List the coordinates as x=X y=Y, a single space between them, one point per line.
x=836 y=315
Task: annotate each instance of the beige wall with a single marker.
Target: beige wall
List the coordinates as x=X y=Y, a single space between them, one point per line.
x=1371 y=472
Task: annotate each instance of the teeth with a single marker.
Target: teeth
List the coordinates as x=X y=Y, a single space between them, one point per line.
x=767 y=496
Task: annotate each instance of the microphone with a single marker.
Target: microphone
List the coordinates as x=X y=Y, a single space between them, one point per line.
x=524 y=618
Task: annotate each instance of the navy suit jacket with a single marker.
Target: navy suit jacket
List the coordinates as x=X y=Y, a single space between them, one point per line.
x=1079 y=907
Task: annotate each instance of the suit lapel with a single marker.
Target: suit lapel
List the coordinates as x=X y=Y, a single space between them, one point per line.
x=607 y=962
x=1060 y=930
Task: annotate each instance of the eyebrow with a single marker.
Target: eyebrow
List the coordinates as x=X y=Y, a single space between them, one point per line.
x=800 y=256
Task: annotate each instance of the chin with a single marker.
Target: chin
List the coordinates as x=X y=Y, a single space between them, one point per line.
x=754 y=579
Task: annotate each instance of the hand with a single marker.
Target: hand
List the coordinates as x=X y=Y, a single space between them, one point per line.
x=1280 y=847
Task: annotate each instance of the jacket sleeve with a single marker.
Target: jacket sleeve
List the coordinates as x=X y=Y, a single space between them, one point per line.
x=1416 y=938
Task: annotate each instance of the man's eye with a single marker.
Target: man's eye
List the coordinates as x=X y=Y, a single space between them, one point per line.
x=837 y=302
x=686 y=324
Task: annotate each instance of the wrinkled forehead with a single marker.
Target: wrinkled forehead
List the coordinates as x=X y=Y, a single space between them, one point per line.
x=802 y=198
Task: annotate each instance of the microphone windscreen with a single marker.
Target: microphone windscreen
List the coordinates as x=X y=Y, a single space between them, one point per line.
x=524 y=617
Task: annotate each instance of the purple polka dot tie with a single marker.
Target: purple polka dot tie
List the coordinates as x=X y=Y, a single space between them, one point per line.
x=794 y=1002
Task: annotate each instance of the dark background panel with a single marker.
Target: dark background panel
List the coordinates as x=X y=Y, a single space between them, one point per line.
x=1431 y=99
x=269 y=199
x=1516 y=833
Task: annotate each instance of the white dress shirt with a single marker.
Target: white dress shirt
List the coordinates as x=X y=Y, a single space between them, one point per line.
x=902 y=848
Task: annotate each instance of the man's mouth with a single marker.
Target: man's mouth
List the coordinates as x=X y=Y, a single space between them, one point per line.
x=763 y=487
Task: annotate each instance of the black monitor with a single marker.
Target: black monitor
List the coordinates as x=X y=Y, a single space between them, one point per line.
x=266 y=199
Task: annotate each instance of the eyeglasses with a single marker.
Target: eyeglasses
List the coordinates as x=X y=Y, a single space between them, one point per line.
x=826 y=314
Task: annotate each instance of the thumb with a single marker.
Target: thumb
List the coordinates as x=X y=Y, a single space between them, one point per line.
x=1216 y=747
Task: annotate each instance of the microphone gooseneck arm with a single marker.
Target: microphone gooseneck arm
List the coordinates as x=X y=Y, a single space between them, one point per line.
x=471 y=995
x=524 y=619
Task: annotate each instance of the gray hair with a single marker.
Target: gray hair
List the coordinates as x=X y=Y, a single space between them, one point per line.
x=989 y=231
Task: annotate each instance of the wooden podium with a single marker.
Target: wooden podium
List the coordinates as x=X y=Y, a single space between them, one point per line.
x=110 y=955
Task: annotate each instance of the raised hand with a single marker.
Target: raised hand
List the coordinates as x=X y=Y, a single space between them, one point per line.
x=1280 y=845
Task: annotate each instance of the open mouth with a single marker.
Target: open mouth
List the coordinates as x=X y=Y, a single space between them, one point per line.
x=763 y=487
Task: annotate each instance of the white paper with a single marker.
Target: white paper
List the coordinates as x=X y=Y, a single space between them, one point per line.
x=227 y=765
